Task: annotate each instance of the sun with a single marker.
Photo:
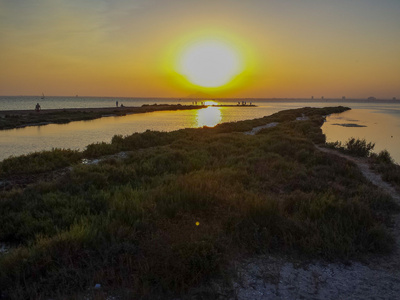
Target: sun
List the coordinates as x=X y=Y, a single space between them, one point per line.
x=210 y=63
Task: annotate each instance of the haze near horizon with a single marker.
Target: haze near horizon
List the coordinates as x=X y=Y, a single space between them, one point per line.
x=226 y=48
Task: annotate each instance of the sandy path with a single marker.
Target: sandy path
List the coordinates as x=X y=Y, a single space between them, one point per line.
x=257 y=129
x=277 y=277
x=376 y=180
x=364 y=168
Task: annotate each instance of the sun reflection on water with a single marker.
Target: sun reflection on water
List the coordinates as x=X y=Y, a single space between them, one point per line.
x=210 y=102
x=209 y=116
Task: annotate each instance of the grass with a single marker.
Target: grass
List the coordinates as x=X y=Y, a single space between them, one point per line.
x=38 y=162
x=384 y=164
x=182 y=204
x=381 y=162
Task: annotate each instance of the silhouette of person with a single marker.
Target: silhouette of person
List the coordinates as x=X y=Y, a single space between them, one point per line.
x=37 y=107
x=116 y=103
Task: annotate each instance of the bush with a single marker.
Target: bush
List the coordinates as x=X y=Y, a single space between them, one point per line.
x=385 y=165
x=385 y=157
x=353 y=146
x=335 y=145
x=38 y=162
x=182 y=204
x=359 y=147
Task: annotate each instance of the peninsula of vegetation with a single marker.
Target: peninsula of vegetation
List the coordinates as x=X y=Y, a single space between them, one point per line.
x=10 y=119
x=153 y=215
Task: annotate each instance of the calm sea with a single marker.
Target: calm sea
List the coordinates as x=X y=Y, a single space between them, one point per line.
x=378 y=122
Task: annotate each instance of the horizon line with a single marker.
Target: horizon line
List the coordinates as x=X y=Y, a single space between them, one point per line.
x=217 y=98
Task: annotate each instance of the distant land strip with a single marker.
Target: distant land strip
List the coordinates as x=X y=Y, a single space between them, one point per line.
x=10 y=119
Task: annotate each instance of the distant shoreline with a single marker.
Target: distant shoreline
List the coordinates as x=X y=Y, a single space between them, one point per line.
x=11 y=119
x=229 y=99
x=126 y=109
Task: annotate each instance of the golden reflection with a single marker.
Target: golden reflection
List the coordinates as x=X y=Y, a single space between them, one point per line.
x=210 y=102
x=209 y=116
x=364 y=124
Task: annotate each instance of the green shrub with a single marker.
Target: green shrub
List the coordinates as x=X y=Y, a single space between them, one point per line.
x=335 y=145
x=359 y=147
x=353 y=146
x=39 y=162
x=385 y=165
x=385 y=157
x=183 y=203
x=99 y=149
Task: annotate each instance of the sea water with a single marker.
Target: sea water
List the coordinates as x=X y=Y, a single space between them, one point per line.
x=377 y=122
x=52 y=102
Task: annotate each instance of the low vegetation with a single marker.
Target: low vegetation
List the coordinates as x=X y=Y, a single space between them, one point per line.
x=381 y=162
x=39 y=162
x=181 y=205
x=384 y=164
x=353 y=146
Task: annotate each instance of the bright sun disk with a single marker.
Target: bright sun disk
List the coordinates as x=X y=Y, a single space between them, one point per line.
x=210 y=63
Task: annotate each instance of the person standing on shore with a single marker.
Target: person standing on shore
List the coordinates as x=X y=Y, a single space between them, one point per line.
x=116 y=103
x=37 y=107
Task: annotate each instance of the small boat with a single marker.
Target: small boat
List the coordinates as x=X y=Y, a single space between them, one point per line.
x=42 y=96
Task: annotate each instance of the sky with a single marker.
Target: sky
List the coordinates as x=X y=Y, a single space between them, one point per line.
x=133 y=48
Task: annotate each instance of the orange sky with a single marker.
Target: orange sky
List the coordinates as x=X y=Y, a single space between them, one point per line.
x=129 y=48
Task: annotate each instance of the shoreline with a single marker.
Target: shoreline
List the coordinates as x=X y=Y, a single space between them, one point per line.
x=12 y=119
x=125 y=109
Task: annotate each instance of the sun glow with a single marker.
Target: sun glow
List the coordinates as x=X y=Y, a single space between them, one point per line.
x=210 y=63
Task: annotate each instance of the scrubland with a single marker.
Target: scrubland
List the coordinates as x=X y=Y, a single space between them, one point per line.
x=180 y=206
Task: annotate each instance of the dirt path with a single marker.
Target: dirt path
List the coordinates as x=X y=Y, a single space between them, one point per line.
x=376 y=180
x=364 y=168
x=257 y=129
x=277 y=277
